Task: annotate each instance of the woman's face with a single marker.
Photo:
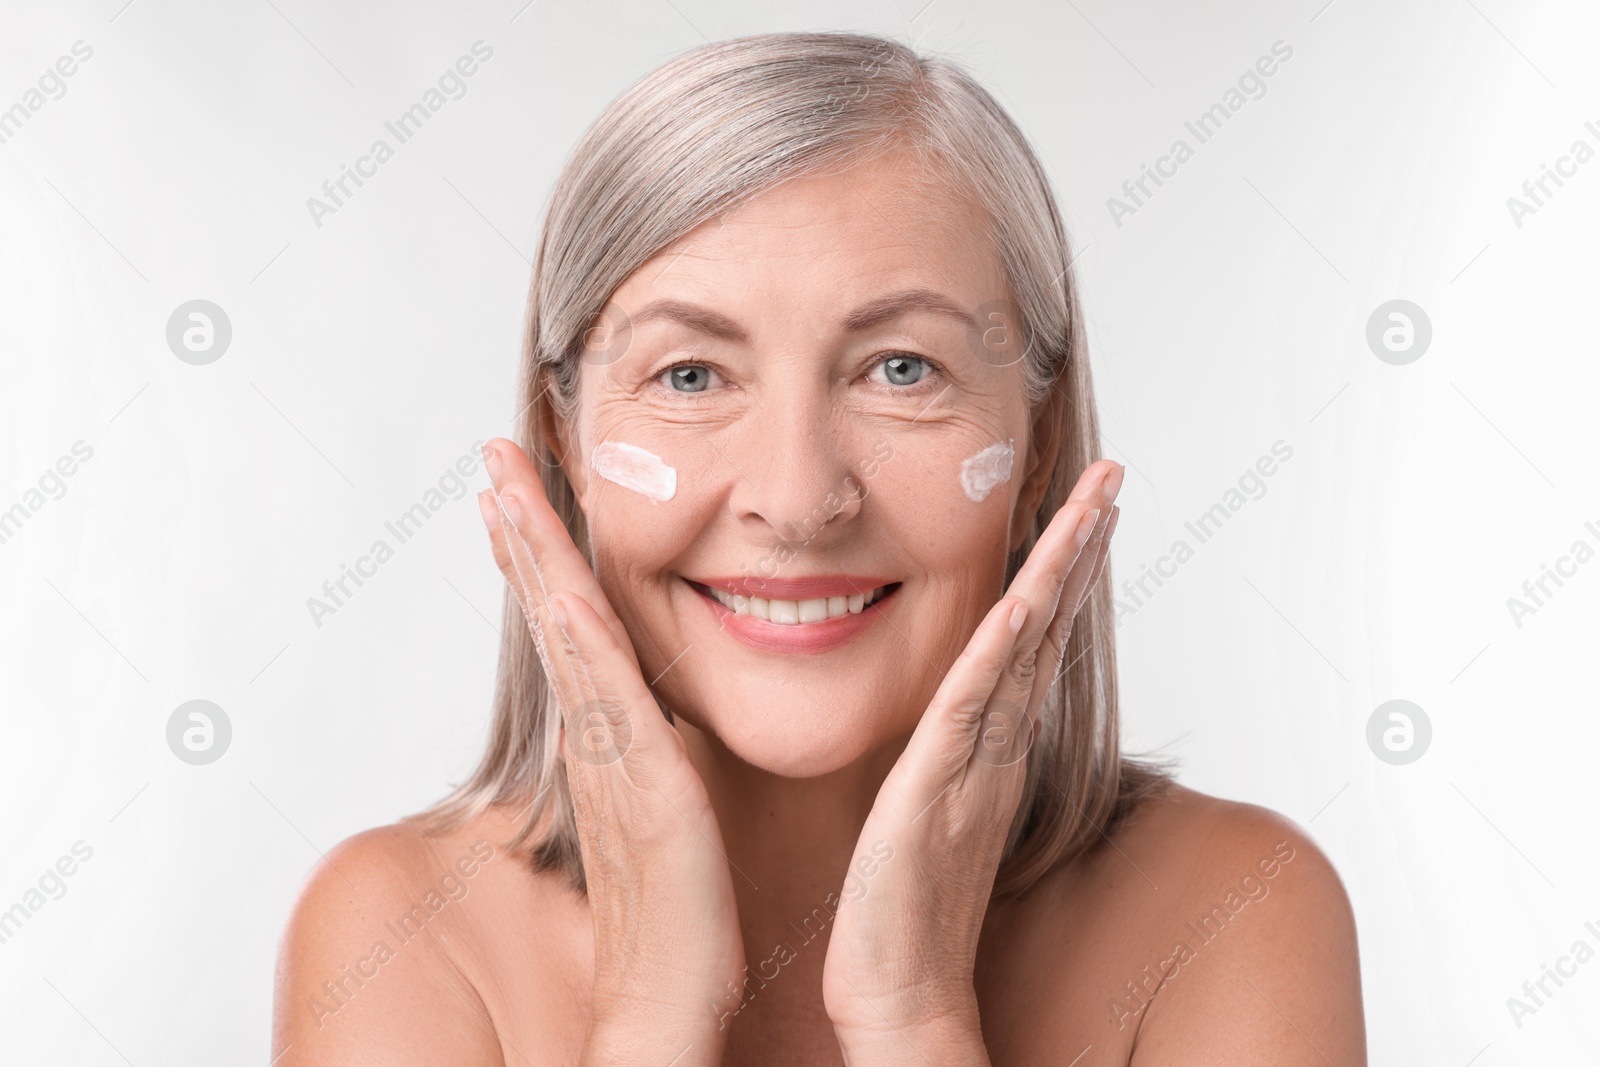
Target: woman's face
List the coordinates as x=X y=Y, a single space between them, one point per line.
x=831 y=374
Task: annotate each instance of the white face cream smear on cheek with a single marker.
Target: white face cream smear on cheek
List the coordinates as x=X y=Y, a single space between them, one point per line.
x=987 y=469
x=634 y=468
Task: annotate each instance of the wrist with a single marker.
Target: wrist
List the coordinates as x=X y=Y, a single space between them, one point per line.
x=635 y=1019
x=681 y=1039
x=952 y=1037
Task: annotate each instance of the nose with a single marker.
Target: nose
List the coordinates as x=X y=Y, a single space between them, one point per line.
x=799 y=472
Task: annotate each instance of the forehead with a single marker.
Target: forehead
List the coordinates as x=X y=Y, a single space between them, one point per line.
x=891 y=221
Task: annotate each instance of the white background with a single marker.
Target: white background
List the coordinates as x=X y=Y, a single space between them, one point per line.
x=369 y=354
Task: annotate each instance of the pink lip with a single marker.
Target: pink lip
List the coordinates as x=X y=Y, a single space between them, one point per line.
x=810 y=637
x=813 y=587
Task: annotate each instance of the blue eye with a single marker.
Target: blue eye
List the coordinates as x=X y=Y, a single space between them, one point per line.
x=688 y=378
x=904 y=369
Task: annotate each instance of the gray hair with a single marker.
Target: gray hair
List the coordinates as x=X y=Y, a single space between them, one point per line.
x=693 y=139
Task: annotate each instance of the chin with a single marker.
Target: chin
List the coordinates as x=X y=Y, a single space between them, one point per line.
x=790 y=735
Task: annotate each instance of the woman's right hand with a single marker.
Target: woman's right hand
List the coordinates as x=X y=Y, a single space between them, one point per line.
x=669 y=955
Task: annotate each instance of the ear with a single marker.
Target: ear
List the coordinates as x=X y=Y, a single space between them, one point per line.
x=559 y=438
x=1045 y=441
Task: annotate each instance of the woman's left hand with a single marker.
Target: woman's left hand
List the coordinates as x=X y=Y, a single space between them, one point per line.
x=897 y=980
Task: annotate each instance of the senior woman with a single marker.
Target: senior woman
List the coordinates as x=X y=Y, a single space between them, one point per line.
x=805 y=746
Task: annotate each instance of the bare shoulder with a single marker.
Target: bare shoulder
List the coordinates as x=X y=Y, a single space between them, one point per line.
x=389 y=953
x=1260 y=964
x=1188 y=832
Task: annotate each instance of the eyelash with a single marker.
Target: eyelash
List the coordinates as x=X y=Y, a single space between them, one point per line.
x=934 y=370
x=679 y=394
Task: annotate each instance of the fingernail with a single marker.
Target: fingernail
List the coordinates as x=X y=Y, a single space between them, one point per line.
x=513 y=509
x=558 y=611
x=1019 y=615
x=1086 y=527
x=491 y=461
x=486 y=509
x=1113 y=483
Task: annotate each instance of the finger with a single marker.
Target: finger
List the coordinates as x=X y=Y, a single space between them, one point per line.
x=1080 y=583
x=1076 y=587
x=496 y=523
x=1060 y=552
x=967 y=719
x=517 y=560
x=1008 y=719
x=1105 y=552
x=1101 y=474
x=499 y=542
x=1070 y=570
x=1087 y=567
x=1051 y=562
x=1104 y=491
x=512 y=475
x=622 y=726
x=559 y=560
x=942 y=743
x=563 y=666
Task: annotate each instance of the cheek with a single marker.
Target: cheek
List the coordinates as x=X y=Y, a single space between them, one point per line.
x=650 y=493
x=963 y=474
x=986 y=469
x=635 y=468
x=947 y=501
x=639 y=469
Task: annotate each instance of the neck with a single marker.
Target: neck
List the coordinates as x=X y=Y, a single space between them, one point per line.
x=789 y=842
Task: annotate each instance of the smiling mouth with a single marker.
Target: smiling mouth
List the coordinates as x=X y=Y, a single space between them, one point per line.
x=796 y=612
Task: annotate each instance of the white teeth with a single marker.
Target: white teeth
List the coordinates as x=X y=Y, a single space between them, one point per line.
x=795 y=612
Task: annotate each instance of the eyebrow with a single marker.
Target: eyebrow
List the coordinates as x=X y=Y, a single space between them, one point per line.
x=874 y=312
